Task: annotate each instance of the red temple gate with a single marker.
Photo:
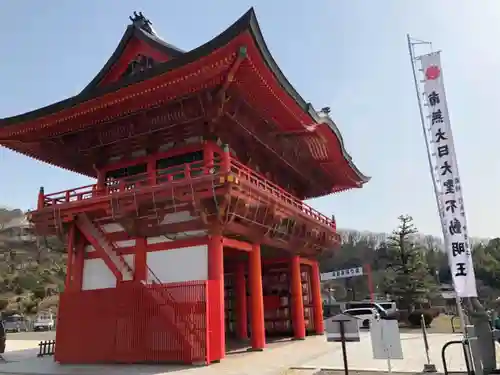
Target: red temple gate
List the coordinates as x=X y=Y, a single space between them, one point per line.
x=196 y=225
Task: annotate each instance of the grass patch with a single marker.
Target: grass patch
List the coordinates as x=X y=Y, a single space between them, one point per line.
x=440 y=324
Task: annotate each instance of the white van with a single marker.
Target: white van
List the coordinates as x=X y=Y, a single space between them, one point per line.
x=380 y=306
x=44 y=322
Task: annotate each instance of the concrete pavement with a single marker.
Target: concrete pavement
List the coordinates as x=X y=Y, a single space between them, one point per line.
x=24 y=345
x=276 y=359
x=360 y=357
x=309 y=355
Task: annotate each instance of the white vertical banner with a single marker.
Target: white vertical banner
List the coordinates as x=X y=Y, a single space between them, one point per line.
x=449 y=191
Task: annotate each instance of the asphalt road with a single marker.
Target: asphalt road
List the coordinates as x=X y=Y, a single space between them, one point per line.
x=28 y=336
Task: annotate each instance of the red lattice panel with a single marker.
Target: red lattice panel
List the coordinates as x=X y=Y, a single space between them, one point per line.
x=133 y=323
x=215 y=350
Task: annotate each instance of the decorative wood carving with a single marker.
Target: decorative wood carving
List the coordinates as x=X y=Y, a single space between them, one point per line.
x=140 y=64
x=141 y=124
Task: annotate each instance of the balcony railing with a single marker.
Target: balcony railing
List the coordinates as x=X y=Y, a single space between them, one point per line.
x=193 y=171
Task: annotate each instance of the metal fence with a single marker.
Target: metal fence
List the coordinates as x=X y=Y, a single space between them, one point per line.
x=135 y=323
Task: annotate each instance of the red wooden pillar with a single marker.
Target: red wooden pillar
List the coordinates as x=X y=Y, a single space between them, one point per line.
x=140 y=259
x=71 y=250
x=298 y=323
x=216 y=275
x=208 y=155
x=78 y=263
x=41 y=199
x=368 y=270
x=256 y=299
x=226 y=159
x=151 y=169
x=241 y=302
x=101 y=181
x=319 y=327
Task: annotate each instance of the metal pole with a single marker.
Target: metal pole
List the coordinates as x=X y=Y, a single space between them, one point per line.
x=344 y=349
x=387 y=348
x=424 y=335
x=429 y=160
x=428 y=367
x=458 y=301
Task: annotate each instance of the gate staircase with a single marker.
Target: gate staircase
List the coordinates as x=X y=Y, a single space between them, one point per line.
x=180 y=321
x=96 y=237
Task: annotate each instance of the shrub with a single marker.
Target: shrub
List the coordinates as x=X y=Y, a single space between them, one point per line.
x=30 y=306
x=403 y=316
x=39 y=293
x=28 y=281
x=415 y=317
x=3 y=303
x=18 y=289
x=435 y=311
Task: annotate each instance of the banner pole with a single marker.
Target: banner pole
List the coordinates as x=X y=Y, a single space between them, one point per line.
x=411 y=51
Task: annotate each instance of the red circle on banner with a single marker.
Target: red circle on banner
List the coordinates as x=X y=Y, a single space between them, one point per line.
x=432 y=72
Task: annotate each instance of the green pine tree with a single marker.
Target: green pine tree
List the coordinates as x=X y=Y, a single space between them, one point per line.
x=406 y=276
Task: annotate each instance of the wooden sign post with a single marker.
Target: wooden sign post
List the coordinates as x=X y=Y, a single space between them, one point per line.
x=342 y=328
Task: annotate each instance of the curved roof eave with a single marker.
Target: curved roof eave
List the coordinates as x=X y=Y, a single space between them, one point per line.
x=248 y=22
x=333 y=127
x=222 y=39
x=307 y=107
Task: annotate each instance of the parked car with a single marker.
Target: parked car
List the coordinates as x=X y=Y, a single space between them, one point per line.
x=383 y=307
x=365 y=316
x=44 y=322
x=3 y=337
x=15 y=323
x=389 y=313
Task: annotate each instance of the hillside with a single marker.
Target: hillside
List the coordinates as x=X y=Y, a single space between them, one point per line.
x=32 y=271
x=420 y=238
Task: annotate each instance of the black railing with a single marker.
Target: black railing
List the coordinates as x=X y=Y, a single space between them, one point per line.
x=47 y=347
x=452 y=321
x=465 y=347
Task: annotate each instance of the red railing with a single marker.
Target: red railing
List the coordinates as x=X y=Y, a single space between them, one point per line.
x=167 y=175
x=181 y=174
x=245 y=173
x=125 y=325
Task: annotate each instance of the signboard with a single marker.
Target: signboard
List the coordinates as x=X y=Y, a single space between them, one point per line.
x=334 y=330
x=447 y=180
x=386 y=343
x=342 y=274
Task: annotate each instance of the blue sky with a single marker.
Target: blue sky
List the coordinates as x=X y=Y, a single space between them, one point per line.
x=349 y=55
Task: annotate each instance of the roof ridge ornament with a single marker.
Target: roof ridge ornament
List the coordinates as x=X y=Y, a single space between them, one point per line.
x=325 y=111
x=324 y=114
x=141 y=22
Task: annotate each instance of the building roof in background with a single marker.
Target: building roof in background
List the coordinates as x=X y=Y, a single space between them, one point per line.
x=17 y=222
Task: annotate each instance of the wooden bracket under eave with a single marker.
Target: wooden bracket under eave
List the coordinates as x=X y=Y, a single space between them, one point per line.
x=221 y=95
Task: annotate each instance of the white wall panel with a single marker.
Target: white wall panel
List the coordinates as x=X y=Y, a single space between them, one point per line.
x=97 y=275
x=178 y=265
x=112 y=228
